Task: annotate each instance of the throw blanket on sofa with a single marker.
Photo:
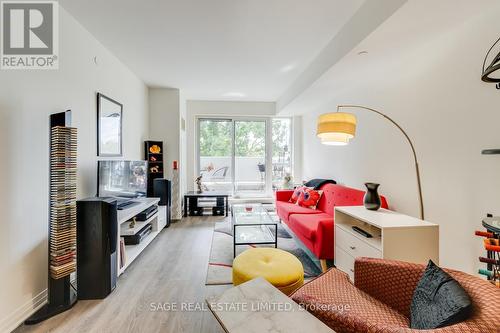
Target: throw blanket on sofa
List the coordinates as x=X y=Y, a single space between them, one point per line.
x=317 y=183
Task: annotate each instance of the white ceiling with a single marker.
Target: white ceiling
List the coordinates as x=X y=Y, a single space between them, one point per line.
x=215 y=49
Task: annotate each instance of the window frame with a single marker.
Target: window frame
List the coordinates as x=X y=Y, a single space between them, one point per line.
x=268 y=150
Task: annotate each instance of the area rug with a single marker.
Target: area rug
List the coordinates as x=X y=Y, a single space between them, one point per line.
x=221 y=255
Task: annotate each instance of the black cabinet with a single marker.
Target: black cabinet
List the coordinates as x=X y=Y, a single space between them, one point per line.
x=153 y=153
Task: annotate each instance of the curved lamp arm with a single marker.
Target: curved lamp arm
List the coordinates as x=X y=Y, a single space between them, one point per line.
x=493 y=67
x=419 y=185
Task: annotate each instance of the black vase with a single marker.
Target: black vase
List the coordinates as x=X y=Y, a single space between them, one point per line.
x=372 y=199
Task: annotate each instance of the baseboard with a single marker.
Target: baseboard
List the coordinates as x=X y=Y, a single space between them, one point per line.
x=18 y=316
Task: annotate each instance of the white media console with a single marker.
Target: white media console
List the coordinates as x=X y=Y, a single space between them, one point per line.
x=395 y=236
x=158 y=222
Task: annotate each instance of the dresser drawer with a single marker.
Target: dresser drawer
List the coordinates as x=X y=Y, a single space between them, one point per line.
x=344 y=262
x=354 y=246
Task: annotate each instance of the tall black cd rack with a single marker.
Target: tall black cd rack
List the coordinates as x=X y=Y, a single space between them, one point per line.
x=62 y=218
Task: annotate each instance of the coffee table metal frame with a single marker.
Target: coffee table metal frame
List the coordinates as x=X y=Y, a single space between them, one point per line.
x=208 y=194
x=268 y=238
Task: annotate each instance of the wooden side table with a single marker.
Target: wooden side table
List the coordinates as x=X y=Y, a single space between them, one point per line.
x=395 y=236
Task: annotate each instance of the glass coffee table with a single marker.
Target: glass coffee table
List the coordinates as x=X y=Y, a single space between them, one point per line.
x=253 y=225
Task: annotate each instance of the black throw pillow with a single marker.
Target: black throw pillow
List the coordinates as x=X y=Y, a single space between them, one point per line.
x=318 y=182
x=438 y=300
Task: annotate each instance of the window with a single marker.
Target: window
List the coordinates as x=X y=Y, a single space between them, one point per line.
x=282 y=151
x=250 y=157
x=233 y=154
x=216 y=153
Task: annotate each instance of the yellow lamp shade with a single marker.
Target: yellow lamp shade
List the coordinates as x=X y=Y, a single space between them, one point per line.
x=336 y=128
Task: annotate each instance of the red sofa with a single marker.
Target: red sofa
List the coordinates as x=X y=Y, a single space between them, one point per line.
x=314 y=227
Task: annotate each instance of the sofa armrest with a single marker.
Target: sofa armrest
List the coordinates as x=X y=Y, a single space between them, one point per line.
x=324 y=242
x=283 y=195
x=391 y=282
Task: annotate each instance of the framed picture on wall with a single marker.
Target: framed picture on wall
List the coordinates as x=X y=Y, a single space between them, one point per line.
x=109 y=126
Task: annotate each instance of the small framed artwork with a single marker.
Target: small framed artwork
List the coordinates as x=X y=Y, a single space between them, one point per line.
x=109 y=126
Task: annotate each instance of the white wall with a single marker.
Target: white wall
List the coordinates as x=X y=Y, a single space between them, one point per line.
x=183 y=142
x=164 y=123
x=27 y=98
x=423 y=68
x=297 y=150
x=167 y=109
x=230 y=108
x=368 y=16
x=217 y=108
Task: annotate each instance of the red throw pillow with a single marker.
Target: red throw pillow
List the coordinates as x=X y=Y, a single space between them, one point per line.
x=296 y=194
x=309 y=198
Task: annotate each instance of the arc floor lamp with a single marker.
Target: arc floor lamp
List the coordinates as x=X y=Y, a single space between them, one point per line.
x=337 y=128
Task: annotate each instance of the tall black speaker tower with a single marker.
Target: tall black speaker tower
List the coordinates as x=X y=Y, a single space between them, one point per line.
x=97 y=230
x=162 y=188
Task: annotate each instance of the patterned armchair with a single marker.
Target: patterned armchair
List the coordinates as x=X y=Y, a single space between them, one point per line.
x=379 y=300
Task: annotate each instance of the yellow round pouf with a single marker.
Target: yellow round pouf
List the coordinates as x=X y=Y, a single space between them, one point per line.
x=282 y=269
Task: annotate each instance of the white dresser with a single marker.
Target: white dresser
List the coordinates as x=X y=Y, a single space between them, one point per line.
x=395 y=236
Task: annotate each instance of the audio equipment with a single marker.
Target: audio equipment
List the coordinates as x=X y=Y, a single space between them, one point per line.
x=147 y=213
x=97 y=232
x=162 y=188
x=139 y=236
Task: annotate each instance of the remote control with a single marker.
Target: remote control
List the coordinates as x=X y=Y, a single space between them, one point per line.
x=362 y=232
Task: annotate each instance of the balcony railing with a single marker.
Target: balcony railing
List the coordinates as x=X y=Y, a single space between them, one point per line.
x=250 y=174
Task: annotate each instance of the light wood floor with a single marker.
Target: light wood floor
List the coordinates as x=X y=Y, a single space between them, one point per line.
x=172 y=269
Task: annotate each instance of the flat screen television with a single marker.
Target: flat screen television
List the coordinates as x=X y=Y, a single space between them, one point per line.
x=122 y=179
